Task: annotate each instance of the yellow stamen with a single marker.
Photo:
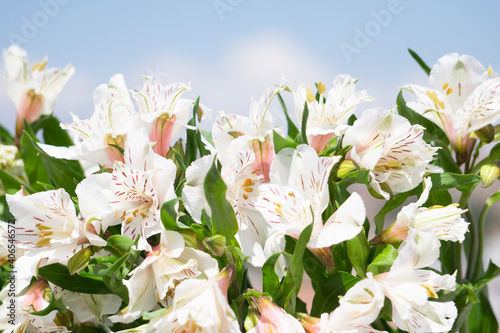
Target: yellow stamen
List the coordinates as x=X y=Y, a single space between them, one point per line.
x=437 y=102
x=449 y=91
x=40 y=65
x=445 y=85
x=245 y=196
x=278 y=210
x=321 y=88
x=129 y=220
x=248 y=182
x=430 y=291
x=291 y=194
x=490 y=70
x=43 y=242
x=42 y=227
x=248 y=189
x=309 y=95
x=394 y=164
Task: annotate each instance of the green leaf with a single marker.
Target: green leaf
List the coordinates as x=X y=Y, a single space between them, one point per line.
x=191 y=136
x=280 y=142
x=312 y=265
x=358 y=250
x=361 y=176
x=432 y=131
x=481 y=317
x=270 y=280
x=33 y=163
x=10 y=184
x=5 y=137
x=169 y=215
x=444 y=158
x=383 y=261
x=341 y=258
x=119 y=244
x=303 y=130
x=298 y=256
x=419 y=60
x=59 y=275
x=446 y=180
x=326 y=298
x=114 y=279
x=492 y=272
x=61 y=173
x=293 y=131
x=495 y=151
x=223 y=217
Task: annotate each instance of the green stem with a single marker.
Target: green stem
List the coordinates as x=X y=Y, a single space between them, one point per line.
x=482 y=217
x=456 y=248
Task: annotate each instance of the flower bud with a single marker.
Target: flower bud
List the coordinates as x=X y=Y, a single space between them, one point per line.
x=345 y=167
x=79 y=261
x=488 y=173
x=486 y=134
x=215 y=244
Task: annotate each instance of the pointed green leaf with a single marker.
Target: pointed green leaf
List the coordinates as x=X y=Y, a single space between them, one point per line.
x=419 y=61
x=326 y=298
x=59 y=275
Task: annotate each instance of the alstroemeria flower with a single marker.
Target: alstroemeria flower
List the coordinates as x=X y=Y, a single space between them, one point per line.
x=100 y=138
x=357 y=309
x=271 y=318
x=328 y=117
x=164 y=112
x=409 y=288
x=298 y=195
x=46 y=223
x=391 y=148
x=87 y=307
x=33 y=89
x=199 y=306
x=233 y=133
x=446 y=222
x=463 y=97
x=166 y=265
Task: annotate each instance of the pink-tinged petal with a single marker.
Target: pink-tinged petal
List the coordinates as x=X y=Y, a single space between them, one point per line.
x=272 y=318
x=35 y=295
x=161 y=133
x=264 y=155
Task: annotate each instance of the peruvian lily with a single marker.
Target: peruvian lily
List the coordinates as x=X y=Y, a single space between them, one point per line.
x=46 y=224
x=232 y=133
x=392 y=149
x=199 y=306
x=164 y=112
x=33 y=89
x=445 y=221
x=328 y=116
x=357 y=309
x=131 y=195
x=101 y=138
x=298 y=195
x=265 y=316
x=156 y=278
x=409 y=287
x=463 y=97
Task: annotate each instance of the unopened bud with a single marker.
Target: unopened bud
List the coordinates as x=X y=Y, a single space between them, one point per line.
x=394 y=233
x=488 y=173
x=252 y=319
x=486 y=134
x=345 y=167
x=79 y=261
x=215 y=244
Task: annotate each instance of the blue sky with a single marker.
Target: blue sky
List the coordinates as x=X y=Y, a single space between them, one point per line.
x=231 y=50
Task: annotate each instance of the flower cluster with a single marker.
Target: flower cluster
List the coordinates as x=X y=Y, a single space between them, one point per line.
x=157 y=232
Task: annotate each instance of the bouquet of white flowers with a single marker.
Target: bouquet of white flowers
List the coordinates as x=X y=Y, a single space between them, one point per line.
x=157 y=231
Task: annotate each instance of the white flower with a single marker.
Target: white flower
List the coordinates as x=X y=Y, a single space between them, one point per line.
x=131 y=195
x=164 y=112
x=409 y=287
x=463 y=97
x=33 y=89
x=328 y=117
x=391 y=148
x=46 y=223
x=199 y=306
x=271 y=318
x=446 y=222
x=298 y=195
x=156 y=278
x=87 y=307
x=96 y=139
